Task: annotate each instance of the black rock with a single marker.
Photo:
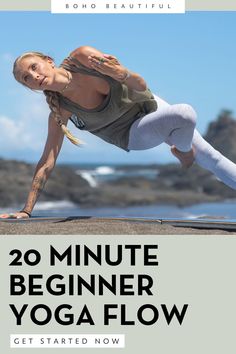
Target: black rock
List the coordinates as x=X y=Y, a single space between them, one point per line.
x=16 y=178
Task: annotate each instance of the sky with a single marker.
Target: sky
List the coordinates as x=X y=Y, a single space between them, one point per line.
x=185 y=58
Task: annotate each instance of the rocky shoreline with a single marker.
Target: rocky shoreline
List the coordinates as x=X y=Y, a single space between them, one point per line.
x=173 y=185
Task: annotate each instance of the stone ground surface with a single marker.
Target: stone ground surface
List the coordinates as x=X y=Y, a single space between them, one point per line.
x=100 y=226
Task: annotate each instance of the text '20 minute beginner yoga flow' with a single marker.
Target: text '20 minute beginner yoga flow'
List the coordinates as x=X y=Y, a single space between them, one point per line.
x=97 y=93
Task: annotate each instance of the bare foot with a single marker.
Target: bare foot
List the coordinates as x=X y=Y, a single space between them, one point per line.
x=186 y=158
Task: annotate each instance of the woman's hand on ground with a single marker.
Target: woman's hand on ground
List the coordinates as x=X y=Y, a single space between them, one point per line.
x=17 y=215
x=108 y=65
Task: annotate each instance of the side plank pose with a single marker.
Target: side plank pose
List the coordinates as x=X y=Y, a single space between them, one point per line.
x=100 y=95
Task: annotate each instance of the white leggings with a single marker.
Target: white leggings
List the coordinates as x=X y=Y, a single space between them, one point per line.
x=175 y=125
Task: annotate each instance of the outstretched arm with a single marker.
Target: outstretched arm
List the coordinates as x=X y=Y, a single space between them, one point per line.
x=109 y=65
x=43 y=168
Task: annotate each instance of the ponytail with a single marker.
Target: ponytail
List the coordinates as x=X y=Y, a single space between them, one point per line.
x=53 y=102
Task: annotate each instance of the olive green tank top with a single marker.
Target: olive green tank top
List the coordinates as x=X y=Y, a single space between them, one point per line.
x=111 y=121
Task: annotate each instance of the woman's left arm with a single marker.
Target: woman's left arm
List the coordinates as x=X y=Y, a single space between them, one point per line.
x=109 y=65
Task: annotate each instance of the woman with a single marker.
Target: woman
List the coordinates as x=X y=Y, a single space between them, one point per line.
x=100 y=95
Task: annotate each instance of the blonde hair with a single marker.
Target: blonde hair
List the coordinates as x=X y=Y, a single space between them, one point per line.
x=52 y=98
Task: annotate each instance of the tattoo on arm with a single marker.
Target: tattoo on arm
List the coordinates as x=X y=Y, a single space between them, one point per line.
x=37 y=187
x=38 y=184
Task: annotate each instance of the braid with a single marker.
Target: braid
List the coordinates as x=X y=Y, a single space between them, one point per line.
x=52 y=99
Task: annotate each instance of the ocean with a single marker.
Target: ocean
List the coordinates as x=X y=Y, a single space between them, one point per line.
x=96 y=173
x=225 y=209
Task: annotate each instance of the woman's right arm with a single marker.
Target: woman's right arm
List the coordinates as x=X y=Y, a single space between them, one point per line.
x=43 y=168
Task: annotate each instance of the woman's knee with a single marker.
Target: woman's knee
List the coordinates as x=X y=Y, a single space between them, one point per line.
x=187 y=113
